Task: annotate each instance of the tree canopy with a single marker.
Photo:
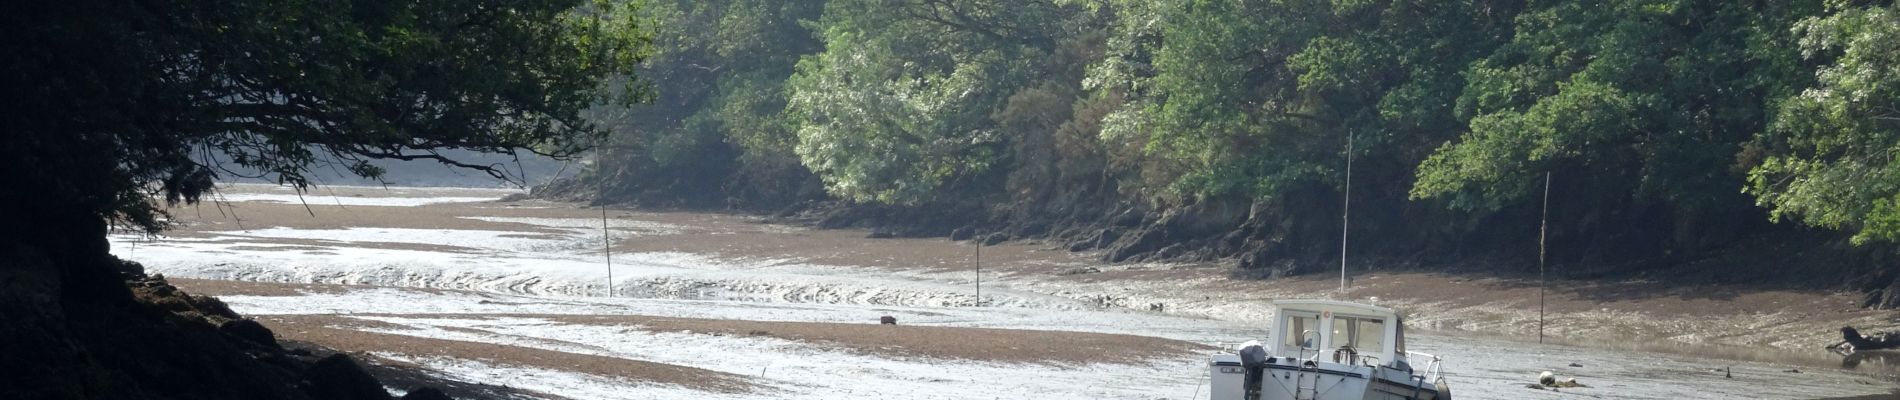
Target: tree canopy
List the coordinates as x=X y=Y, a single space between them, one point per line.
x=1663 y=124
x=117 y=103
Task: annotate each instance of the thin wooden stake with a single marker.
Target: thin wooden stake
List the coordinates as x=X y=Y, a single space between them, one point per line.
x=1543 y=230
x=1345 y=213
x=979 y=270
x=606 y=238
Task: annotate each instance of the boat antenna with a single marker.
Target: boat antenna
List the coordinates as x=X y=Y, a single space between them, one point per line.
x=1345 y=212
x=1543 y=230
x=606 y=239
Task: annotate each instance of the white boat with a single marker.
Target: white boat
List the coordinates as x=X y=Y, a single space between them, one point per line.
x=1328 y=350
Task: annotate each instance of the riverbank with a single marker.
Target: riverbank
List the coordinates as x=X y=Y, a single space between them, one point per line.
x=726 y=267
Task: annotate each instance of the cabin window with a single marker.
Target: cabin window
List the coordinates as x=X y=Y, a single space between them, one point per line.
x=1301 y=331
x=1364 y=334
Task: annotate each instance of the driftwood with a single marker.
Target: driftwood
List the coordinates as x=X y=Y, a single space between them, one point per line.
x=1852 y=341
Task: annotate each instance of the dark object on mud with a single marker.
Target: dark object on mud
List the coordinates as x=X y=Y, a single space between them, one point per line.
x=249 y=330
x=1852 y=341
x=426 y=393
x=339 y=377
x=887 y=320
x=1576 y=365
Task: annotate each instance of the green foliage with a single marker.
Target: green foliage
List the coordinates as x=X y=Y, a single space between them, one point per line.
x=1831 y=148
x=1641 y=102
x=1658 y=111
x=901 y=99
x=129 y=102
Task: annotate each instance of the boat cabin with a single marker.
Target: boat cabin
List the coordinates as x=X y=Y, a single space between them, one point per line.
x=1348 y=333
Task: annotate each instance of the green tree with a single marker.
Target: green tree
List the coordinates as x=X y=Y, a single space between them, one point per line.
x=115 y=105
x=901 y=100
x=1830 y=149
x=1641 y=108
x=717 y=128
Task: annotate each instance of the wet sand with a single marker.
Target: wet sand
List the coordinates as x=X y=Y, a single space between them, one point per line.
x=346 y=333
x=870 y=337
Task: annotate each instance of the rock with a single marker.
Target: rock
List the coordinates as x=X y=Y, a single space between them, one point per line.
x=1101 y=239
x=338 y=377
x=426 y=393
x=1534 y=386
x=881 y=233
x=1128 y=218
x=964 y=233
x=249 y=330
x=1107 y=238
x=887 y=320
x=1081 y=245
x=1576 y=365
x=995 y=238
x=130 y=270
x=1793 y=371
x=1146 y=241
x=1172 y=251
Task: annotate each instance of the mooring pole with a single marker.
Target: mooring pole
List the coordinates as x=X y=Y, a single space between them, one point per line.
x=606 y=238
x=979 y=270
x=1543 y=230
x=1345 y=213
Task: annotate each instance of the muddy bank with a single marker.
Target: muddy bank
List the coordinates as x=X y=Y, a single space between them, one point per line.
x=706 y=283
x=741 y=256
x=1259 y=239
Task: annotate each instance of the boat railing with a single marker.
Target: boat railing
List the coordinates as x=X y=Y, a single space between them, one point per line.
x=1433 y=369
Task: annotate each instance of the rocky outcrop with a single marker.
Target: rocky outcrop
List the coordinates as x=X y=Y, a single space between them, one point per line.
x=427 y=393
x=337 y=377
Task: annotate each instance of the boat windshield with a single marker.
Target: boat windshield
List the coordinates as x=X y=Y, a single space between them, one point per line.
x=1301 y=332
x=1367 y=335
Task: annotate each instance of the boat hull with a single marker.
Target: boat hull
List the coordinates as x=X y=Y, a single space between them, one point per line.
x=1291 y=379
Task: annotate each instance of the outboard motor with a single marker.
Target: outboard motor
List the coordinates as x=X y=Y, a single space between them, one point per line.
x=1253 y=358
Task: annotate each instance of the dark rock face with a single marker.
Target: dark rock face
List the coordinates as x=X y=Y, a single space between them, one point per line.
x=881 y=234
x=249 y=330
x=426 y=393
x=338 y=377
x=995 y=238
x=1143 y=242
x=1128 y=218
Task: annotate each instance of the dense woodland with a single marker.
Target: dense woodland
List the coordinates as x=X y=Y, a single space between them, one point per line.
x=1671 y=131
